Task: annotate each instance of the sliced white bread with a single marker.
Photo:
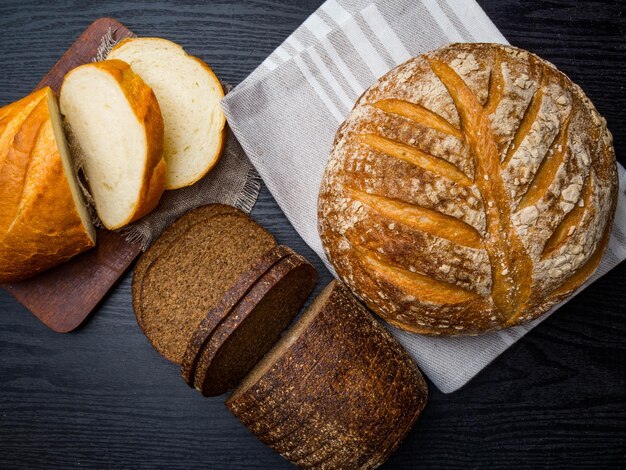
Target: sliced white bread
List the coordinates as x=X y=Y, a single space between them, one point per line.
x=116 y=121
x=43 y=218
x=189 y=94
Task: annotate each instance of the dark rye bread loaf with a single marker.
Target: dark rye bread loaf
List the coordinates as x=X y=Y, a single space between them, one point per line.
x=192 y=273
x=337 y=391
x=168 y=236
x=229 y=300
x=253 y=326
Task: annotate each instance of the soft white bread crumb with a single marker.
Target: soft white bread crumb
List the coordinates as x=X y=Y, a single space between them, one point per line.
x=189 y=95
x=115 y=119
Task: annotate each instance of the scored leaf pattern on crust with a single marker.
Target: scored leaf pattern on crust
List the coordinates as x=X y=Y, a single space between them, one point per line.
x=511 y=252
x=511 y=267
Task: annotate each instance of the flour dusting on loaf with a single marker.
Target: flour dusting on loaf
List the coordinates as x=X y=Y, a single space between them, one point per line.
x=470 y=189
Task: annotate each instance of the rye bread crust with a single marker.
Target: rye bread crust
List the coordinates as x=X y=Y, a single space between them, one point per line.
x=357 y=395
x=229 y=300
x=247 y=332
x=471 y=189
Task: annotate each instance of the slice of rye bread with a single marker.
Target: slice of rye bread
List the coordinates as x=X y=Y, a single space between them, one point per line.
x=167 y=236
x=360 y=395
x=254 y=325
x=189 y=278
x=228 y=301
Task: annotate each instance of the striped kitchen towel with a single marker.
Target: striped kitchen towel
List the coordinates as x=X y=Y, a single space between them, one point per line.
x=286 y=113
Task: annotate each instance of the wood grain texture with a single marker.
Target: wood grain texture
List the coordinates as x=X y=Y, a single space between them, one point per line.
x=86 y=278
x=102 y=397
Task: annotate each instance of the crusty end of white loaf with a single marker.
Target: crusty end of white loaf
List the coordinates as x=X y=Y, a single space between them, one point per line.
x=68 y=165
x=112 y=140
x=189 y=95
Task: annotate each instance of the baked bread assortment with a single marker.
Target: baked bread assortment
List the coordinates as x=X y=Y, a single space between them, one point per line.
x=115 y=119
x=337 y=391
x=189 y=94
x=43 y=217
x=471 y=189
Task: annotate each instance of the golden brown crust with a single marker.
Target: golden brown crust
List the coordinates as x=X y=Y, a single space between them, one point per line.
x=357 y=394
x=470 y=189
x=144 y=104
x=223 y=132
x=40 y=225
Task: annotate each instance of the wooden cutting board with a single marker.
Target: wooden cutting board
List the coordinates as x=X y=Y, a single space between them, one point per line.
x=64 y=296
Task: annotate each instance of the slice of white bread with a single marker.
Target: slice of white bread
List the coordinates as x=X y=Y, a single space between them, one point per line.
x=116 y=121
x=189 y=94
x=43 y=218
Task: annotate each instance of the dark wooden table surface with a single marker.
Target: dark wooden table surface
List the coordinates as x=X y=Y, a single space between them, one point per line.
x=102 y=397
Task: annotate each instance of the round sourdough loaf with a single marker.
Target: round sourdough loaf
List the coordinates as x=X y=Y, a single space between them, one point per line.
x=470 y=189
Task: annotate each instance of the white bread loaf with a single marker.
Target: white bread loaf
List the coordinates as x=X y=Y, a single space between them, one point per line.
x=115 y=119
x=43 y=219
x=471 y=189
x=189 y=94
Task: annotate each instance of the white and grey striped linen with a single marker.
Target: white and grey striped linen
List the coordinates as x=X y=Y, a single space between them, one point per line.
x=286 y=113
